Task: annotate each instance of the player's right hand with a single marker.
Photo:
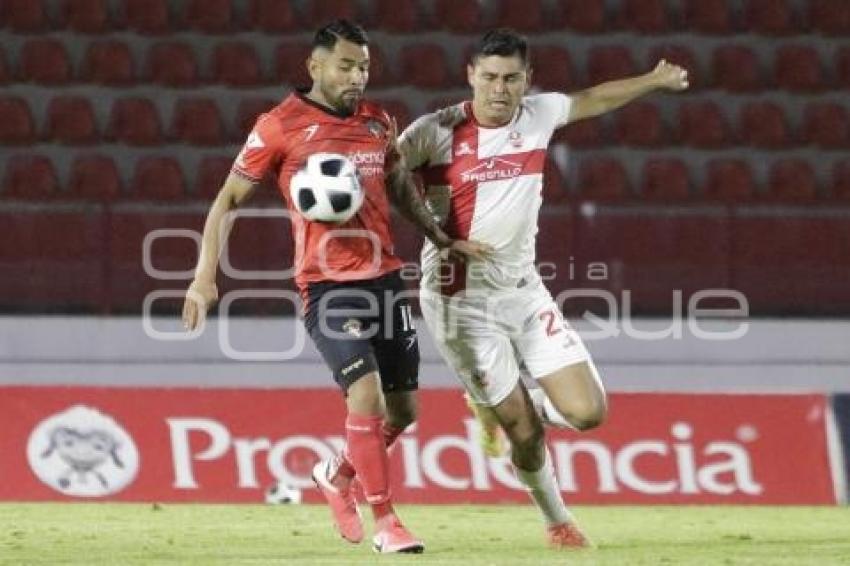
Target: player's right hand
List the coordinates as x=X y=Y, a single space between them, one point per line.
x=670 y=76
x=469 y=249
x=199 y=298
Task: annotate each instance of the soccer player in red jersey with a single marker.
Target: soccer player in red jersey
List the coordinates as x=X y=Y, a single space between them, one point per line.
x=374 y=359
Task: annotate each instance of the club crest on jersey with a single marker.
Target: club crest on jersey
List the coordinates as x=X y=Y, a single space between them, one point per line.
x=463 y=148
x=515 y=139
x=353 y=327
x=376 y=129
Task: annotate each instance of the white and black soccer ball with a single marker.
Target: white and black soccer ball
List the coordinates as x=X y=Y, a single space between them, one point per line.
x=281 y=493
x=327 y=188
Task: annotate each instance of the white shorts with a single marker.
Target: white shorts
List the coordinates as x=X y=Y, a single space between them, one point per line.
x=489 y=340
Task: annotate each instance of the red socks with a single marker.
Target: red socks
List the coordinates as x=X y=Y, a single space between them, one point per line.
x=346 y=468
x=366 y=451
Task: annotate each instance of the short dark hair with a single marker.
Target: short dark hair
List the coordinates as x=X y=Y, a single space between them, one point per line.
x=504 y=42
x=327 y=35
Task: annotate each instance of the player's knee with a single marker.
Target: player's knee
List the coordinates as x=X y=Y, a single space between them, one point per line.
x=588 y=414
x=402 y=416
x=527 y=448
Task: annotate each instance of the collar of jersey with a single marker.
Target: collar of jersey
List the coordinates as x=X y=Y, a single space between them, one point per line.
x=301 y=93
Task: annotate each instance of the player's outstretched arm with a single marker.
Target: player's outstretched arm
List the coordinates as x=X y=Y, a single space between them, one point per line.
x=203 y=293
x=614 y=94
x=405 y=196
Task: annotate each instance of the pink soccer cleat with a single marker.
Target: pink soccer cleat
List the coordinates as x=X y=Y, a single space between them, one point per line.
x=567 y=536
x=346 y=515
x=393 y=537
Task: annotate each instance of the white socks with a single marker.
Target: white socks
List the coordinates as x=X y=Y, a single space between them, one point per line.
x=546 y=410
x=545 y=493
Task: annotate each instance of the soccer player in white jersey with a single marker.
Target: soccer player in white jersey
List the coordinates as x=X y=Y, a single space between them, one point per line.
x=483 y=179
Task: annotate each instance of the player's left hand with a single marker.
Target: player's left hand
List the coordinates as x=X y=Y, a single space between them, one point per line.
x=464 y=250
x=670 y=76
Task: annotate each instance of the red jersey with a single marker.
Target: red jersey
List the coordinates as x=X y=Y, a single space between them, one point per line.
x=281 y=141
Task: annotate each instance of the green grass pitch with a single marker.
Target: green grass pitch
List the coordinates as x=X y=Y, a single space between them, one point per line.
x=136 y=534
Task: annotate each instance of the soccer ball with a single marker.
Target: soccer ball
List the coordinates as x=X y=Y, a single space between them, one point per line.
x=327 y=188
x=282 y=493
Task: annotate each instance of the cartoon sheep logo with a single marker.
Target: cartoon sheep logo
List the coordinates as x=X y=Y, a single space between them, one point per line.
x=82 y=452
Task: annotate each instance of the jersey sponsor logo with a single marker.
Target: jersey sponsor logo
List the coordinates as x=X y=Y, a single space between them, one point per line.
x=353 y=366
x=492 y=169
x=368 y=163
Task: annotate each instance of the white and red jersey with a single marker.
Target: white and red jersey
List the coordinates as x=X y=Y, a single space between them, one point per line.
x=494 y=177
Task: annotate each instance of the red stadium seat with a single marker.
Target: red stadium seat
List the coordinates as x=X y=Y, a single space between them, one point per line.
x=584 y=133
x=94 y=177
x=702 y=125
x=736 y=68
x=290 y=63
x=602 y=179
x=44 y=61
x=841 y=179
x=798 y=68
x=424 y=65
x=679 y=55
x=792 y=179
x=665 y=179
x=70 y=120
x=640 y=124
x=109 y=63
x=830 y=17
x=379 y=69
x=197 y=121
x=763 y=124
x=319 y=13
x=24 y=16
x=134 y=121
x=209 y=16
x=608 y=63
x=645 y=16
x=147 y=17
x=158 y=178
x=459 y=16
x=729 y=180
x=398 y=16
x=711 y=17
x=587 y=16
x=5 y=71
x=272 y=16
x=826 y=125
x=86 y=16
x=842 y=67
x=210 y=176
x=16 y=123
x=236 y=64
x=246 y=115
x=522 y=15
x=172 y=64
x=771 y=17
x=554 y=68
x=30 y=177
